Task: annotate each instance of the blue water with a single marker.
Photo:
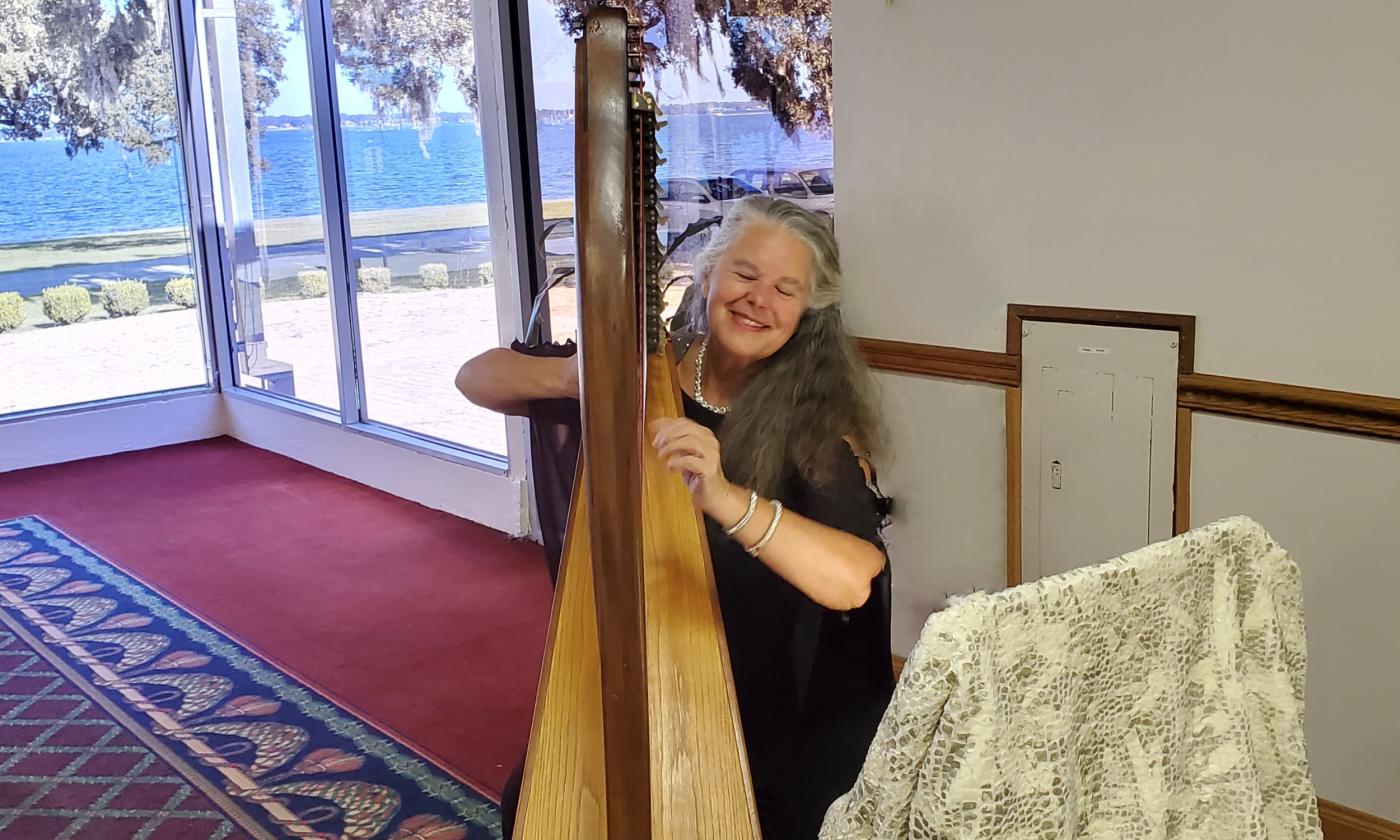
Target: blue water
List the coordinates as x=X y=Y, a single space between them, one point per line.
x=46 y=195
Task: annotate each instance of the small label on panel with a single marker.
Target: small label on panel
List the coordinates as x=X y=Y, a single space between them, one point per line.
x=1097 y=351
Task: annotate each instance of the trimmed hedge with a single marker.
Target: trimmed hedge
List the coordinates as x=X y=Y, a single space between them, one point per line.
x=374 y=279
x=11 y=311
x=66 y=304
x=313 y=282
x=433 y=275
x=180 y=292
x=124 y=297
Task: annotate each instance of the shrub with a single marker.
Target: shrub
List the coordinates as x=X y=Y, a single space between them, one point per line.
x=124 y=297
x=66 y=304
x=11 y=311
x=433 y=275
x=313 y=282
x=373 y=279
x=485 y=274
x=180 y=292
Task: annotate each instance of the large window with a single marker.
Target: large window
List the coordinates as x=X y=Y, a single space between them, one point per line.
x=97 y=296
x=416 y=179
x=255 y=71
x=398 y=163
x=725 y=139
x=342 y=190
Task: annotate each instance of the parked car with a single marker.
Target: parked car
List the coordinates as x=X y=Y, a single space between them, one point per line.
x=813 y=189
x=686 y=200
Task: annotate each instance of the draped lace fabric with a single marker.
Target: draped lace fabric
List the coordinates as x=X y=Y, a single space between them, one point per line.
x=1159 y=695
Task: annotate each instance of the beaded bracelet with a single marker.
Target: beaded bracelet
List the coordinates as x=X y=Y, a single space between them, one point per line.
x=772 y=527
x=753 y=505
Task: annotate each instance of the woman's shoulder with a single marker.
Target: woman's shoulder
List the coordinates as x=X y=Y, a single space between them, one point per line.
x=860 y=453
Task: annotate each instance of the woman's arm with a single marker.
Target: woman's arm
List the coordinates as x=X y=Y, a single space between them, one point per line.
x=506 y=381
x=830 y=566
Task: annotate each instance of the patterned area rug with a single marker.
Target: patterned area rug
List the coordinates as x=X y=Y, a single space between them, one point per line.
x=123 y=716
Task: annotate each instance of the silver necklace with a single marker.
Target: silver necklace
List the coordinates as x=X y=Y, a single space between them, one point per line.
x=699 y=375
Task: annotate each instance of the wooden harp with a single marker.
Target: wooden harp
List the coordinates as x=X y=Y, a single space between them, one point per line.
x=636 y=731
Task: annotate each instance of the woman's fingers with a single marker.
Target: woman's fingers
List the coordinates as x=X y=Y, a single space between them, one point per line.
x=696 y=443
x=686 y=465
x=701 y=441
x=672 y=428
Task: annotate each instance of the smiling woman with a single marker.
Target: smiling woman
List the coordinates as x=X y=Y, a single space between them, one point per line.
x=757 y=293
x=774 y=397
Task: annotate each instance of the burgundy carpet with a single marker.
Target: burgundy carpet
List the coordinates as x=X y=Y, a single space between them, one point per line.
x=430 y=626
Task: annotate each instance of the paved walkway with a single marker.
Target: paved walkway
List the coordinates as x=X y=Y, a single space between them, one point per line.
x=413 y=344
x=412 y=341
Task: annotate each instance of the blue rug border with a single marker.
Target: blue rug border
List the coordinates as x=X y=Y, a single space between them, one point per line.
x=432 y=780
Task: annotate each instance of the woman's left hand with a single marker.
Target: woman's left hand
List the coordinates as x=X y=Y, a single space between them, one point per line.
x=692 y=451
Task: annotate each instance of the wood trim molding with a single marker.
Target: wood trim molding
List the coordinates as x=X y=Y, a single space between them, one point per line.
x=1292 y=405
x=946 y=362
x=1181 y=478
x=1013 y=487
x=1185 y=325
x=1342 y=823
x=1016 y=316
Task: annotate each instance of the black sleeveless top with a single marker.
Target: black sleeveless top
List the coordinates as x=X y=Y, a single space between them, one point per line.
x=811 y=683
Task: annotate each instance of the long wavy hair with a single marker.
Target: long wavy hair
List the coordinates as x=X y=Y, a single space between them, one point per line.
x=800 y=403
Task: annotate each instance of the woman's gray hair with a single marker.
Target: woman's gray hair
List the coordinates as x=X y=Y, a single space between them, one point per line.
x=804 y=404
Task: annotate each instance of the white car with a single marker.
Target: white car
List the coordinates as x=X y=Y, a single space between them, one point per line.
x=813 y=189
x=686 y=200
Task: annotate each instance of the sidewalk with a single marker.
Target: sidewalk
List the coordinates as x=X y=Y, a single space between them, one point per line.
x=413 y=344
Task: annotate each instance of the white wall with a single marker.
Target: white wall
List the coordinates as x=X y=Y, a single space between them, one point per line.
x=121 y=427
x=1234 y=161
x=496 y=501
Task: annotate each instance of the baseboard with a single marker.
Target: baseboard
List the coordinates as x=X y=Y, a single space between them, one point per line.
x=1342 y=823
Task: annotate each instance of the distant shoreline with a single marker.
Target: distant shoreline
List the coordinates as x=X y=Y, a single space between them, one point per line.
x=155 y=243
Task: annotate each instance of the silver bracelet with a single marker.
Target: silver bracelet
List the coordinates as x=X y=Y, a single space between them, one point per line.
x=772 y=527
x=753 y=505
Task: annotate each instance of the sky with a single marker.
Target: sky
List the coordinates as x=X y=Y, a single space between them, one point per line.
x=552 y=53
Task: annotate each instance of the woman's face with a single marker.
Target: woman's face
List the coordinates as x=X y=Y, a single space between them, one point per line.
x=757 y=292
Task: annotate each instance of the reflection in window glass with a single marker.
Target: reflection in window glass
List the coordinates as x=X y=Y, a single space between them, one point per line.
x=723 y=141
x=416 y=176
x=259 y=97
x=97 y=288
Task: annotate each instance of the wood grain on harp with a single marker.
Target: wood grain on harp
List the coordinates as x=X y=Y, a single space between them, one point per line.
x=636 y=732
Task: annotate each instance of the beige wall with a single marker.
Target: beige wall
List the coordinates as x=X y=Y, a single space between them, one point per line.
x=1333 y=501
x=1236 y=161
x=1239 y=161
x=960 y=466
